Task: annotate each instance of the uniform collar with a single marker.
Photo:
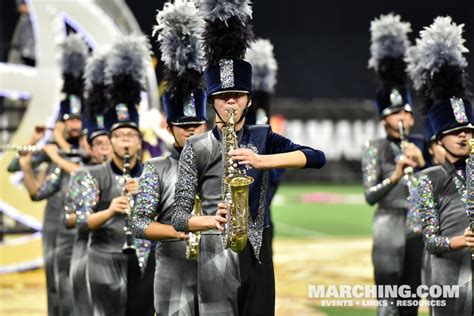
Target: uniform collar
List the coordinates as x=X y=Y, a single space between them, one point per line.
x=175 y=152
x=458 y=169
x=134 y=172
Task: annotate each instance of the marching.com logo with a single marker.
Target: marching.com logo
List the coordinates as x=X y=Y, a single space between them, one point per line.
x=382 y=295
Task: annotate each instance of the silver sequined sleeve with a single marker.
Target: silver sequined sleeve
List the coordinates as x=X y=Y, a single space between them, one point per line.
x=426 y=205
x=375 y=188
x=413 y=219
x=146 y=201
x=71 y=200
x=85 y=187
x=185 y=189
x=50 y=185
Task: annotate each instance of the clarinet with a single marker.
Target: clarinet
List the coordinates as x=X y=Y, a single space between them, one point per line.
x=408 y=171
x=128 y=247
x=470 y=201
x=73 y=152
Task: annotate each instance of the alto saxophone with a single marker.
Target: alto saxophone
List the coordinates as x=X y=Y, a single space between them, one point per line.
x=235 y=191
x=128 y=246
x=192 y=244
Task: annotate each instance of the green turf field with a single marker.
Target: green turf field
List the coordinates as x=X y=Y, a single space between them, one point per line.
x=294 y=218
x=334 y=311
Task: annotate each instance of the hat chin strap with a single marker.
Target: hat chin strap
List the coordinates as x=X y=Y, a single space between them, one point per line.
x=176 y=143
x=452 y=154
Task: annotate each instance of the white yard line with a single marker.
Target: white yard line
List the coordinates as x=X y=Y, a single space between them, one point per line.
x=288 y=228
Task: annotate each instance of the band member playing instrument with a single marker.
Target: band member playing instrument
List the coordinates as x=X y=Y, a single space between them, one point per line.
x=386 y=164
x=437 y=68
x=175 y=288
x=119 y=272
x=233 y=283
x=52 y=185
x=101 y=152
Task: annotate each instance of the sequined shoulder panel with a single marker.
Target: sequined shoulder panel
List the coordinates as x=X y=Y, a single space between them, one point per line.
x=147 y=200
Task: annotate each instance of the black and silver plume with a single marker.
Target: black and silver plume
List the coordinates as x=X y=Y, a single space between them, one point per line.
x=125 y=69
x=74 y=53
x=179 y=28
x=436 y=64
x=228 y=30
x=94 y=76
x=389 y=45
x=264 y=65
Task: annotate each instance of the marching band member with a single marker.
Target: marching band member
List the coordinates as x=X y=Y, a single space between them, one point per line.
x=232 y=283
x=118 y=268
x=57 y=240
x=437 y=67
x=396 y=256
x=101 y=151
x=179 y=29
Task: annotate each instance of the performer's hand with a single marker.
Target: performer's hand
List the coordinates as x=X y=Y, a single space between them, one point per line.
x=132 y=186
x=469 y=237
x=182 y=236
x=38 y=134
x=51 y=150
x=25 y=159
x=247 y=157
x=58 y=133
x=119 y=205
x=221 y=216
x=414 y=153
x=402 y=163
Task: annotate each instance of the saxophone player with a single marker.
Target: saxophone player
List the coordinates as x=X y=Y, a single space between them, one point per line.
x=185 y=109
x=120 y=280
x=233 y=283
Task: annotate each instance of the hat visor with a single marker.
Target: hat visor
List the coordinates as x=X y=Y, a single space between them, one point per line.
x=71 y=116
x=457 y=128
x=193 y=121
x=231 y=91
x=396 y=109
x=124 y=124
x=96 y=134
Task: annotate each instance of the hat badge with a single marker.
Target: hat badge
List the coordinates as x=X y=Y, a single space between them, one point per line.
x=122 y=112
x=100 y=121
x=189 y=109
x=396 y=98
x=459 y=110
x=75 y=105
x=226 y=67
